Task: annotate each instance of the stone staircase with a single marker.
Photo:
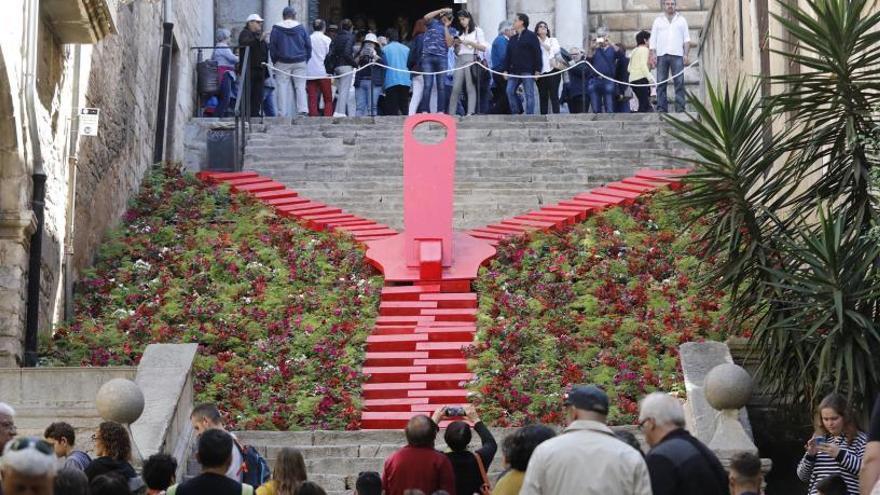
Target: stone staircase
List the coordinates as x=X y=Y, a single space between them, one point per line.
x=506 y=165
x=334 y=458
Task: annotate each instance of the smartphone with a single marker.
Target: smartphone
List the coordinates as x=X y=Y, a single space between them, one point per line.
x=821 y=441
x=454 y=411
x=600 y=40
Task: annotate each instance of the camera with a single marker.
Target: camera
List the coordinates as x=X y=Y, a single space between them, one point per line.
x=600 y=40
x=454 y=411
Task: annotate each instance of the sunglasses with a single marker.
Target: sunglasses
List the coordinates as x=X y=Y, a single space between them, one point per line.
x=22 y=443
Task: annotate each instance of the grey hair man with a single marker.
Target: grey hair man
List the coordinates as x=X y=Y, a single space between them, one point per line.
x=679 y=463
x=291 y=48
x=497 y=54
x=670 y=44
x=7 y=424
x=28 y=467
x=571 y=462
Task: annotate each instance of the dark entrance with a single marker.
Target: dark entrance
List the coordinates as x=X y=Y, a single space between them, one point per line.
x=380 y=15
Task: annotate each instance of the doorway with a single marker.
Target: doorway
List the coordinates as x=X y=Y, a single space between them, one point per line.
x=379 y=15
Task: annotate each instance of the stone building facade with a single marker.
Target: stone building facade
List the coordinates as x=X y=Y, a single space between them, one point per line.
x=91 y=53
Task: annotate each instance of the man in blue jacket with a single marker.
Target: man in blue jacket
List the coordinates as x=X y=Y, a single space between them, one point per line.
x=605 y=59
x=500 y=104
x=523 y=58
x=290 y=48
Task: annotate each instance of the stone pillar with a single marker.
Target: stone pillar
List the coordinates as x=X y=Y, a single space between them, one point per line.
x=491 y=13
x=570 y=21
x=15 y=231
x=206 y=23
x=272 y=12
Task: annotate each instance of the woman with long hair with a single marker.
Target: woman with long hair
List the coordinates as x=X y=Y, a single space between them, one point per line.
x=548 y=85
x=469 y=46
x=287 y=476
x=113 y=448
x=836 y=447
x=413 y=64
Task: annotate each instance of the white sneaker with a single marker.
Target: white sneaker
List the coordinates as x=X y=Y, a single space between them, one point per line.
x=337 y=114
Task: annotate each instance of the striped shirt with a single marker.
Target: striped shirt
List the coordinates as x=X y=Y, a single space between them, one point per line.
x=813 y=469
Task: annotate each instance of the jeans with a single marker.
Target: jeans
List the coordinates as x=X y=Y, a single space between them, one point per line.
x=343 y=88
x=269 y=101
x=666 y=66
x=643 y=94
x=366 y=106
x=292 y=97
x=463 y=77
x=433 y=63
x=314 y=87
x=528 y=87
x=601 y=92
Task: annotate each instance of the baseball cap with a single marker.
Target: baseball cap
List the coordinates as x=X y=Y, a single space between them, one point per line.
x=371 y=37
x=587 y=398
x=254 y=17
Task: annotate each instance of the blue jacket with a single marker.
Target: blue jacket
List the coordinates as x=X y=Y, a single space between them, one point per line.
x=374 y=73
x=499 y=52
x=396 y=54
x=578 y=78
x=289 y=43
x=605 y=60
x=523 y=54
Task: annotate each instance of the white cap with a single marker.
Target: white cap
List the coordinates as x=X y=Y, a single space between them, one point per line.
x=371 y=37
x=254 y=17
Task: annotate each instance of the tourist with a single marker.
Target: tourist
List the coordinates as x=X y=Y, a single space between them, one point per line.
x=639 y=72
x=578 y=80
x=438 y=39
x=109 y=484
x=251 y=37
x=71 y=481
x=832 y=485
x=469 y=45
x=521 y=444
x=28 y=467
x=291 y=49
x=368 y=483
x=679 y=463
x=523 y=59
x=413 y=63
x=113 y=448
x=548 y=85
x=214 y=454
x=469 y=467
x=226 y=62
x=745 y=474
x=206 y=417
x=836 y=447
x=287 y=475
x=587 y=457
x=418 y=465
x=869 y=476
x=318 y=81
x=7 y=424
x=370 y=78
x=397 y=82
x=62 y=437
x=497 y=54
x=670 y=43
x=310 y=488
x=342 y=54
x=604 y=57
x=159 y=473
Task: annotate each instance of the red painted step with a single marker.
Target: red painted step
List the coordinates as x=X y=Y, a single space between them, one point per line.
x=385 y=420
x=247 y=180
x=355 y=222
x=460 y=285
x=440 y=396
x=491 y=236
x=363 y=227
x=265 y=196
x=394 y=358
x=558 y=220
x=402 y=308
x=393 y=329
x=391 y=390
x=529 y=223
x=443 y=365
x=447 y=334
x=261 y=187
x=408 y=292
x=288 y=200
x=452 y=300
x=392 y=374
x=625 y=186
x=442 y=349
x=442 y=380
x=395 y=404
x=401 y=320
x=396 y=343
x=221 y=176
x=453 y=314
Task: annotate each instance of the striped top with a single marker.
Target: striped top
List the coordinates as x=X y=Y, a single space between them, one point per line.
x=813 y=469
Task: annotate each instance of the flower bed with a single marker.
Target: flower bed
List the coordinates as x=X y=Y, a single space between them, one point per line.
x=607 y=302
x=281 y=314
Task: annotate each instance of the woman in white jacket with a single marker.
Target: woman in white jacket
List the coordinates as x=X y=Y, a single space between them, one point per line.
x=548 y=86
x=469 y=45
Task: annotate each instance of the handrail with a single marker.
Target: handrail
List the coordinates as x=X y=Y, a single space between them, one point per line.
x=242 y=110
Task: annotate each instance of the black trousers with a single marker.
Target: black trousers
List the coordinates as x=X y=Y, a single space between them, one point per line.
x=579 y=103
x=500 y=103
x=256 y=81
x=396 y=100
x=644 y=95
x=548 y=92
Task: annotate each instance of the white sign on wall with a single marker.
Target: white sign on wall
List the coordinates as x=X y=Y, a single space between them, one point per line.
x=88 y=121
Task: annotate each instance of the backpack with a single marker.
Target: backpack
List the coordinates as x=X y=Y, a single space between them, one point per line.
x=255 y=469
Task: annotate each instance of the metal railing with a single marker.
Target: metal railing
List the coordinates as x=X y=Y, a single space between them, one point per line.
x=242 y=110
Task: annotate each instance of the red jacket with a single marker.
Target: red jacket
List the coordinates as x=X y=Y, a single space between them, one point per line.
x=418 y=467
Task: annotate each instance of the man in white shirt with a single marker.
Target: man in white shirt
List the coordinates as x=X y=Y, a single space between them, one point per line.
x=318 y=81
x=587 y=458
x=670 y=43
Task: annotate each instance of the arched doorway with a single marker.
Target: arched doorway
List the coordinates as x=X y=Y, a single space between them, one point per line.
x=380 y=14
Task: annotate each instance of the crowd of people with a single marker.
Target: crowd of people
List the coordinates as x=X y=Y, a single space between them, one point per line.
x=446 y=63
x=585 y=457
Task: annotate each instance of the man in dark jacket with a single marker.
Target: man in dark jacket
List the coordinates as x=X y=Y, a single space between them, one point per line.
x=468 y=476
x=342 y=57
x=678 y=463
x=252 y=37
x=291 y=48
x=579 y=77
x=605 y=59
x=523 y=58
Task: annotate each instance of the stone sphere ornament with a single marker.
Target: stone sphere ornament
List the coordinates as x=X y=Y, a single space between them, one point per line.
x=728 y=386
x=120 y=400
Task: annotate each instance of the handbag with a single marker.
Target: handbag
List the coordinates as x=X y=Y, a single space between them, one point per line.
x=486 y=487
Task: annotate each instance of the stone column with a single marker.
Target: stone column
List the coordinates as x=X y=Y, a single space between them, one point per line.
x=570 y=20
x=206 y=23
x=272 y=11
x=491 y=13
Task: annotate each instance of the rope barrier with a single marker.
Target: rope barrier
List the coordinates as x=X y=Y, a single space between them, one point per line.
x=271 y=67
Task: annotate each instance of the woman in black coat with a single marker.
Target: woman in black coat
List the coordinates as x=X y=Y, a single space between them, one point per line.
x=252 y=37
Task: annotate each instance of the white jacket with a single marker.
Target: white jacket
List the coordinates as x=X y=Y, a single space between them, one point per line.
x=586 y=459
